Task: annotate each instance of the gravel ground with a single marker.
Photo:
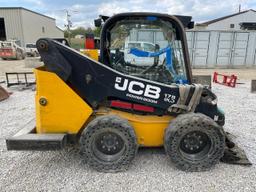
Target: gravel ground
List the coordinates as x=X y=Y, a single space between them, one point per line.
x=151 y=169
x=242 y=74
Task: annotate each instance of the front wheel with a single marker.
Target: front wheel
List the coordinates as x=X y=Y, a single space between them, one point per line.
x=108 y=144
x=194 y=142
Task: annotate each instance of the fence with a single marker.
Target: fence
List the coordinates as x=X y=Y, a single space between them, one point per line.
x=222 y=49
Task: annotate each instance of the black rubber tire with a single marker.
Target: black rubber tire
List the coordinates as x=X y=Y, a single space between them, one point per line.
x=190 y=123
x=108 y=123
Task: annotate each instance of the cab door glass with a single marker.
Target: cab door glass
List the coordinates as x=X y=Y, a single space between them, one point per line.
x=147 y=47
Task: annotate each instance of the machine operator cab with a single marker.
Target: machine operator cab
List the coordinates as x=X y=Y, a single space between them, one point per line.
x=150 y=47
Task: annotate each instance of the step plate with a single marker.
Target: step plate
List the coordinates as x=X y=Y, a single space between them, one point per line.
x=28 y=139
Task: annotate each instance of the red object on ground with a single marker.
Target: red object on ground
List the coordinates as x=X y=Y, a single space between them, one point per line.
x=228 y=80
x=89 y=41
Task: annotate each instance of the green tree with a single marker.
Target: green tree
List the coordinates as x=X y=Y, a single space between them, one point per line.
x=96 y=31
x=82 y=31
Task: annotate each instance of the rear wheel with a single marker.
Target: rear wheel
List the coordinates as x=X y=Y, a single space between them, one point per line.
x=194 y=142
x=108 y=144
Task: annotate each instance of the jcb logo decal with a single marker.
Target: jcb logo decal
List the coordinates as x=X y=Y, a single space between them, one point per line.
x=137 y=88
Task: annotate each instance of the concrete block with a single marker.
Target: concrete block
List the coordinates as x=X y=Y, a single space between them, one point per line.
x=253 y=86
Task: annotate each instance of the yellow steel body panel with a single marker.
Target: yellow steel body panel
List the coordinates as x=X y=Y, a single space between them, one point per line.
x=149 y=129
x=92 y=53
x=64 y=112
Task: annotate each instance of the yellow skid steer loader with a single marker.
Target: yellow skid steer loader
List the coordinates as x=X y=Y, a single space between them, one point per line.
x=139 y=94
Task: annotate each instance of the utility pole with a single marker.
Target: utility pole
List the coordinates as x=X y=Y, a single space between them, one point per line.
x=68 y=25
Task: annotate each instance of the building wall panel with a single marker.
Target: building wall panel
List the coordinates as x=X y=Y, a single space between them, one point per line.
x=36 y=26
x=27 y=26
x=224 y=24
x=225 y=49
x=13 y=26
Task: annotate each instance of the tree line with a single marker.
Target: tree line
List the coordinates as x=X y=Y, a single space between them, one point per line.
x=83 y=31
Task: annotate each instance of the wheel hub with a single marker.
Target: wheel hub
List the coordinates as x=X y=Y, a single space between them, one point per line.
x=194 y=142
x=108 y=143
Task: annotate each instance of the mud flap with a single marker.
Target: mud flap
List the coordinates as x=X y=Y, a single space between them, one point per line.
x=233 y=154
x=3 y=94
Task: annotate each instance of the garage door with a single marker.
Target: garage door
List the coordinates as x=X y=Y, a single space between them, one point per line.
x=239 y=49
x=225 y=44
x=2 y=30
x=200 y=51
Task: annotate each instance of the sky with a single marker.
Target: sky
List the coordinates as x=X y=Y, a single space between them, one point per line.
x=83 y=12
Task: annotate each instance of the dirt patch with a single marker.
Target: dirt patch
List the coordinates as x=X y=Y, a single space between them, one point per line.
x=3 y=94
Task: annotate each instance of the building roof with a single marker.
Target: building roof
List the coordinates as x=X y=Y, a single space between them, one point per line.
x=59 y=29
x=225 y=17
x=27 y=10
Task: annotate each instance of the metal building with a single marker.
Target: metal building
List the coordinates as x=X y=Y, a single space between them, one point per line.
x=26 y=26
x=222 y=49
x=244 y=20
